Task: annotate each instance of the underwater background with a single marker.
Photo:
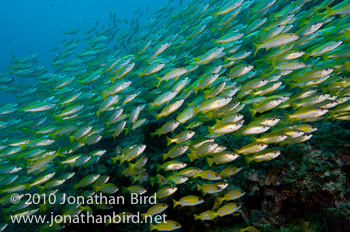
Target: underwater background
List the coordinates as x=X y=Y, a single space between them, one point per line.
x=235 y=114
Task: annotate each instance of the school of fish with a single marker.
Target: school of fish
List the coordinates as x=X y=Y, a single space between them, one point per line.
x=163 y=105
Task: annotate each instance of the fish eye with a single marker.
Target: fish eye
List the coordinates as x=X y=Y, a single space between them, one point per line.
x=261 y=145
x=291 y=34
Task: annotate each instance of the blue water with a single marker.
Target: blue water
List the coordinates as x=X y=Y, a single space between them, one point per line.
x=37 y=26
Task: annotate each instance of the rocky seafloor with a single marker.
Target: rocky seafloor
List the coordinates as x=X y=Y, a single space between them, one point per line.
x=307 y=188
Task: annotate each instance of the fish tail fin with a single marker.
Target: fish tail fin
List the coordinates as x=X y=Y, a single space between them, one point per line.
x=264 y=29
x=248 y=159
x=210 y=161
x=206 y=94
x=287 y=117
x=213 y=215
x=71 y=138
x=41 y=189
x=257 y=48
x=124 y=190
x=347 y=66
x=164 y=157
x=330 y=12
x=306 y=56
x=169 y=141
x=195 y=89
x=127 y=130
x=196 y=217
x=104 y=95
x=58 y=153
x=325 y=57
x=23 y=146
x=274 y=61
x=287 y=80
x=294 y=105
x=210 y=130
x=198 y=187
x=28 y=186
x=191 y=156
x=98 y=113
x=53 y=135
x=61 y=165
x=112 y=79
x=153 y=134
x=152 y=227
x=254 y=139
x=152 y=180
x=158 y=167
x=107 y=125
x=96 y=188
x=210 y=116
x=253 y=112
x=159 y=81
x=86 y=208
x=175 y=203
x=220 y=200
x=292 y=85
x=158 y=116
x=115 y=159
x=58 y=118
x=347 y=34
x=196 y=60
x=42 y=208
